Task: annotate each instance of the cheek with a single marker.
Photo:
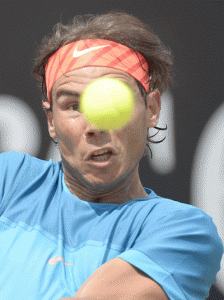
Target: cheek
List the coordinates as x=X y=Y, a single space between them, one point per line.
x=137 y=126
x=134 y=135
x=68 y=133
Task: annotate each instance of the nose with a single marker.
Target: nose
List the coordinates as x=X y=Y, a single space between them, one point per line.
x=92 y=131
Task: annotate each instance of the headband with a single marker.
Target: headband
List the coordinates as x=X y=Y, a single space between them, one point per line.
x=103 y=53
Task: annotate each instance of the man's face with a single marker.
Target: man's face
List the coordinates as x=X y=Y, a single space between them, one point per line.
x=77 y=138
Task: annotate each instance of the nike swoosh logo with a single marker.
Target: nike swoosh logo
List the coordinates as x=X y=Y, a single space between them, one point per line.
x=54 y=260
x=77 y=53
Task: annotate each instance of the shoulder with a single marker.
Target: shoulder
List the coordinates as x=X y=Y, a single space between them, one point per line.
x=19 y=167
x=164 y=208
x=17 y=159
x=184 y=227
x=179 y=242
x=11 y=163
x=11 y=156
x=181 y=216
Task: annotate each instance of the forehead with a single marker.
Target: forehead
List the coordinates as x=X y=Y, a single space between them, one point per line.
x=83 y=76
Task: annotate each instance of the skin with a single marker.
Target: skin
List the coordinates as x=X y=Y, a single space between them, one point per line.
x=76 y=138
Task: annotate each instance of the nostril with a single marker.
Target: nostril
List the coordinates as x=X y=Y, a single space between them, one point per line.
x=90 y=134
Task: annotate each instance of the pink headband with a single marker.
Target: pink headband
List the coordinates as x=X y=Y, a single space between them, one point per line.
x=102 y=53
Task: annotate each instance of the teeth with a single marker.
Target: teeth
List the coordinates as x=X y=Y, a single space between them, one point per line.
x=101 y=158
x=101 y=152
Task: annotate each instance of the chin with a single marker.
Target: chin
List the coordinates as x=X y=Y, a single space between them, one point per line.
x=101 y=184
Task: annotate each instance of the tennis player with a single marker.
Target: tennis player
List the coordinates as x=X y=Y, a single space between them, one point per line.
x=85 y=227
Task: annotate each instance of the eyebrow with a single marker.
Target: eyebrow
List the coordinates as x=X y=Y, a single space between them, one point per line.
x=66 y=93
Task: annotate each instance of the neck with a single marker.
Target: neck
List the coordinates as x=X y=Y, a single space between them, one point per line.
x=124 y=190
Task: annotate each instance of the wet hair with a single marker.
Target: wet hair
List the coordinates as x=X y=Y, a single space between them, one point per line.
x=116 y=26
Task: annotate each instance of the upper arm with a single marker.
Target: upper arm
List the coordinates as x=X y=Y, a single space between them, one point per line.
x=10 y=172
x=117 y=279
x=173 y=252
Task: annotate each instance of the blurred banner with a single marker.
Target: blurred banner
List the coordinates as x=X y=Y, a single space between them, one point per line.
x=189 y=165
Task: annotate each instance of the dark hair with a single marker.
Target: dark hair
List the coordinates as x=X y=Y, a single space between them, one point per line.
x=116 y=26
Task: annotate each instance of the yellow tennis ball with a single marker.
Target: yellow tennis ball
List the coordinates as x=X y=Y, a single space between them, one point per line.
x=108 y=103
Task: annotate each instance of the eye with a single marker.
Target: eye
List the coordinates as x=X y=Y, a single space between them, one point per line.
x=74 y=107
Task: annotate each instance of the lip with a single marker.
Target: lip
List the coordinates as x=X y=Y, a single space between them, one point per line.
x=109 y=148
x=102 y=164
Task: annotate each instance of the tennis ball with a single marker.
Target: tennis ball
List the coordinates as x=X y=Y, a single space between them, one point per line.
x=108 y=103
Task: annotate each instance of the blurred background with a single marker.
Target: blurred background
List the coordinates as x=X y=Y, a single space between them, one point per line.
x=188 y=166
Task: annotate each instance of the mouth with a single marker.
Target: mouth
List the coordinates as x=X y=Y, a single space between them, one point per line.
x=103 y=160
x=101 y=154
x=101 y=157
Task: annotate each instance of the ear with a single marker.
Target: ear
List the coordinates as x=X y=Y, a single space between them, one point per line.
x=50 y=120
x=153 y=108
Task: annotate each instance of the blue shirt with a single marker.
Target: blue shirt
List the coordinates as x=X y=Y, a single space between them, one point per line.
x=52 y=241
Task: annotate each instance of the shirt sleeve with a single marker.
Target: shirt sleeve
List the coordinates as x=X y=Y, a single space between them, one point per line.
x=182 y=252
x=11 y=172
